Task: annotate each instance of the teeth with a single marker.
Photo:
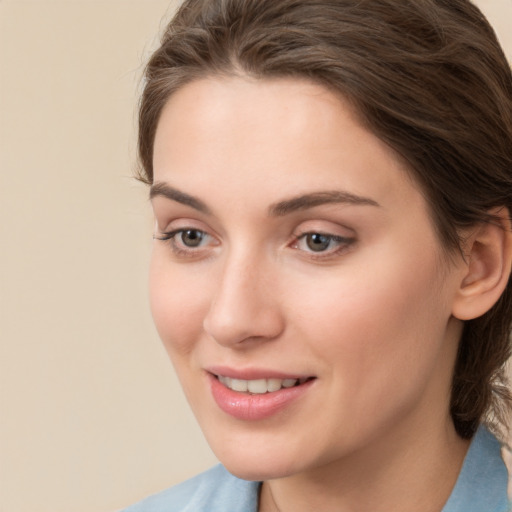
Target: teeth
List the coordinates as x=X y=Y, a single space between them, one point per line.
x=259 y=386
x=289 y=383
x=273 y=385
x=239 y=385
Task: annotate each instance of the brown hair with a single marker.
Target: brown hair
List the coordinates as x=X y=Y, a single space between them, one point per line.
x=427 y=76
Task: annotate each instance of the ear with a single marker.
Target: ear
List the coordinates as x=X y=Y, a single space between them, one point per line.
x=487 y=266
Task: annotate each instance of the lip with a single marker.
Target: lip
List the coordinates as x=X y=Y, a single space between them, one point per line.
x=247 y=407
x=252 y=373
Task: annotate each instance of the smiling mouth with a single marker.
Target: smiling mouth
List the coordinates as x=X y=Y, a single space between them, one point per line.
x=260 y=386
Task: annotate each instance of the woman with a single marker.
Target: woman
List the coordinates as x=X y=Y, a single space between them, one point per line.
x=332 y=187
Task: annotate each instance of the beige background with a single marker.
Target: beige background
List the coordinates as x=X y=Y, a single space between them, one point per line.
x=91 y=415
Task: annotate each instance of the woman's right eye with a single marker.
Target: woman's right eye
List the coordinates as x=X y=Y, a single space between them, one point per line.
x=186 y=241
x=192 y=237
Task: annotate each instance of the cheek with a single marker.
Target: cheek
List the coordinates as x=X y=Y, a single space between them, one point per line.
x=378 y=324
x=178 y=302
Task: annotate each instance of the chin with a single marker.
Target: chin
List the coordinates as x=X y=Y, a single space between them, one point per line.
x=258 y=471
x=257 y=464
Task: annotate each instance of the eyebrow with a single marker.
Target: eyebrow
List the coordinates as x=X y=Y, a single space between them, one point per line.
x=280 y=209
x=162 y=189
x=306 y=201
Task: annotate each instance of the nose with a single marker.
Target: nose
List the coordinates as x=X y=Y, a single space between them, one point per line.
x=245 y=306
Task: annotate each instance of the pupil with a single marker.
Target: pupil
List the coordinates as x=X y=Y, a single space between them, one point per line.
x=191 y=237
x=317 y=242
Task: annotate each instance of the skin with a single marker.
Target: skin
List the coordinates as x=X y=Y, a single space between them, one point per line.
x=370 y=317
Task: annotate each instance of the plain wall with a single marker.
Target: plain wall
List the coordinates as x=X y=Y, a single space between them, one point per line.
x=92 y=417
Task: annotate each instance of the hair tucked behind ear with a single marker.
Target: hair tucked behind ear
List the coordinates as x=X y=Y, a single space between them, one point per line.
x=427 y=76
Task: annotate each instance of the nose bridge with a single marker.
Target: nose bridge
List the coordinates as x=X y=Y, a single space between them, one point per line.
x=243 y=306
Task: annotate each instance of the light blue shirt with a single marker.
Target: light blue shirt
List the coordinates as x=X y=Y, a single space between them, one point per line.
x=481 y=487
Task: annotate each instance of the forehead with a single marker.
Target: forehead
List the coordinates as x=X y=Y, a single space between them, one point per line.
x=250 y=143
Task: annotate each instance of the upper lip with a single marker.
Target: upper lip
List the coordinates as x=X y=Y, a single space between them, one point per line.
x=253 y=373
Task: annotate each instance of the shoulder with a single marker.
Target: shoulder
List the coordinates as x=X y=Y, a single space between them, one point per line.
x=215 y=490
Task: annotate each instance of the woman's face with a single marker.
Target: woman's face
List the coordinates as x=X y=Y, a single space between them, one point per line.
x=298 y=286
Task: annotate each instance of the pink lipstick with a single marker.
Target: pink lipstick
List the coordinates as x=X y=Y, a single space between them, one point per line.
x=255 y=394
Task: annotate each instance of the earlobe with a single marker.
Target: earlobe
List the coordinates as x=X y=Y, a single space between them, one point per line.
x=487 y=266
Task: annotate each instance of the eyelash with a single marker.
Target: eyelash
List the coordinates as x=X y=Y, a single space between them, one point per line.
x=344 y=243
x=170 y=237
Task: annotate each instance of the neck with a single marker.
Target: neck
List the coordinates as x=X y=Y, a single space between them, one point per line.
x=397 y=474
x=410 y=465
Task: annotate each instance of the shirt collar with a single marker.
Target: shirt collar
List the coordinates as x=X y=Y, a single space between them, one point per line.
x=482 y=482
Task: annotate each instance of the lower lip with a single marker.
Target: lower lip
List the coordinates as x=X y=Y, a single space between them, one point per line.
x=244 y=406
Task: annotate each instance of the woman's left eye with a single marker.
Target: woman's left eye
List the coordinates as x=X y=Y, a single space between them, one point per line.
x=322 y=243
